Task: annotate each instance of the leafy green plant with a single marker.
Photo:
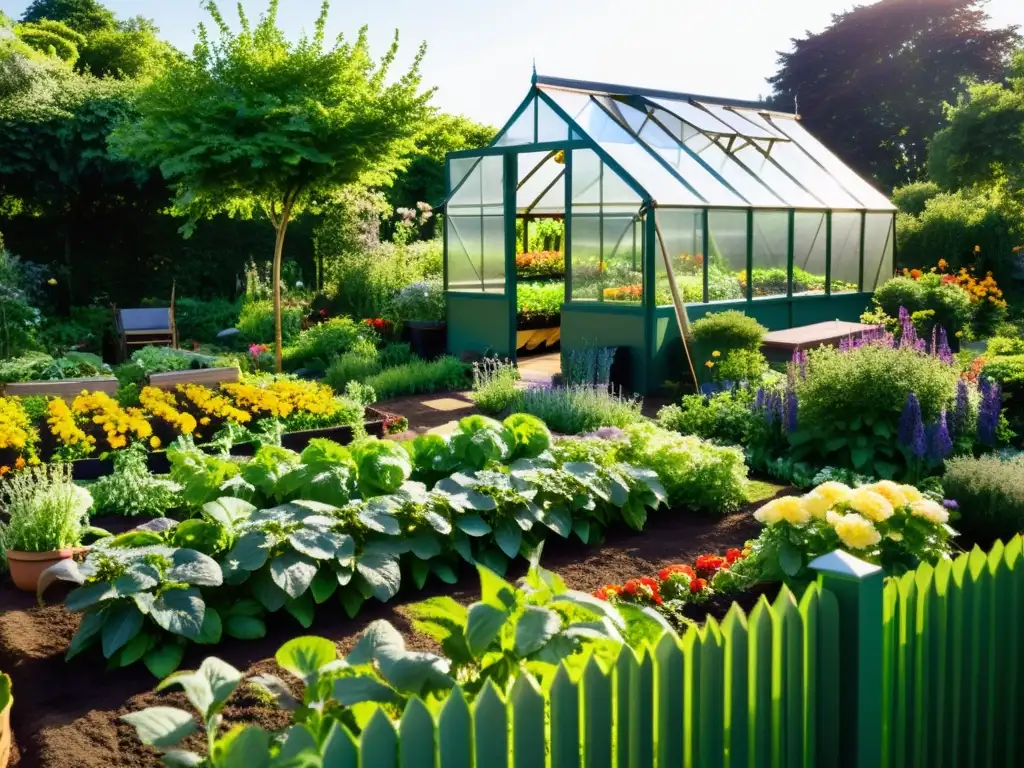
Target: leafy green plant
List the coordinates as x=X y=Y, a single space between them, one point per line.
x=575 y=409
x=321 y=343
x=540 y=299
x=352 y=366
x=132 y=489
x=989 y=492
x=494 y=385
x=725 y=331
x=164 y=359
x=256 y=321
x=201 y=320
x=36 y=366
x=723 y=416
x=442 y=375
x=420 y=302
x=45 y=510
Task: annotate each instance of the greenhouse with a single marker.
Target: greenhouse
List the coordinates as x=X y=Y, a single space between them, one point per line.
x=670 y=206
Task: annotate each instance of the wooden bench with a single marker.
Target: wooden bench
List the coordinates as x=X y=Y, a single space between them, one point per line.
x=779 y=345
x=67 y=389
x=207 y=377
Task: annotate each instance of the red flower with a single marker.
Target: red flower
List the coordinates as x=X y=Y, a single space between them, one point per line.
x=652 y=585
x=665 y=573
x=706 y=565
x=697 y=585
x=915 y=273
x=323 y=313
x=732 y=555
x=632 y=585
x=608 y=591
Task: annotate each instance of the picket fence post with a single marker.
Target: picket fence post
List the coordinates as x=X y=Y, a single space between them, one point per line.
x=857 y=587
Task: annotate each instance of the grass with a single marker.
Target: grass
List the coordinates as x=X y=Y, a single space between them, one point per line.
x=762 y=490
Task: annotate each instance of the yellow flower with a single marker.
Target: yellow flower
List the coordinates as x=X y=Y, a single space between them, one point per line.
x=205 y=421
x=910 y=493
x=709 y=364
x=855 y=531
x=817 y=504
x=716 y=353
x=895 y=536
x=834 y=491
x=788 y=508
x=19 y=463
x=872 y=505
x=892 y=492
x=154 y=442
x=930 y=510
x=51 y=281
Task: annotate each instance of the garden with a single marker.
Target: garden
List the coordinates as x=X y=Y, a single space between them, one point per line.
x=297 y=531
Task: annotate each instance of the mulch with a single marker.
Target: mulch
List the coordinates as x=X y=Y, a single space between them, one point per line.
x=66 y=714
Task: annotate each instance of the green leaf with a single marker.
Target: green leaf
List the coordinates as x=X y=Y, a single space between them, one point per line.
x=191 y=567
x=324 y=584
x=591 y=604
x=835 y=443
x=250 y=551
x=227 y=511
x=351 y=601
x=882 y=430
x=581 y=528
x=800 y=437
x=494 y=590
x=320 y=545
x=293 y=573
x=207 y=688
x=275 y=687
x=298 y=741
x=425 y=545
x=355 y=690
x=885 y=470
x=303 y=609
x=134 y=650
x=534 y=628
x=416 y=672
x=179 y=758
x=213 y=628
x=472 y=525
x=482 y=626
x=122 y=622
x=461 y=544
x=382 y=573
x=495 y=560
x=420 y=570
x=161 y=726
x=508 y=537
x=164 y=659
x=85 y=597
x=791 y=559
x=559 y=520
x=443 y=571
x=245 y=627
x=861 y=456
x=88 y=630
x=180 y=612
x=271 y=596
x=244 y=747
x=379 y=638
x=305 y=656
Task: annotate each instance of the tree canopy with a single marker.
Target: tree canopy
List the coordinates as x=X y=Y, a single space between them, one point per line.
x=83 y=16
x=253 y=122
x=872 y=84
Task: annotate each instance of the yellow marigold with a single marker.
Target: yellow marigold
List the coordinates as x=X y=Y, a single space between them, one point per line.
x=855 y=531
x=872 y=505
x=19 y=463
x=154 y=442
x=930 y=510
x=788 y=508
x=716 y=353
x=910 y=493
x=892 y=492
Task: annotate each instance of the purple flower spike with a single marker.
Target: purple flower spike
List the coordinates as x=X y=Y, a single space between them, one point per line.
x=945 y=353
x=791 y=410
x=911 y=434
x=988 y=411
x=950 y=504
x=940 y=445
x=961 y=413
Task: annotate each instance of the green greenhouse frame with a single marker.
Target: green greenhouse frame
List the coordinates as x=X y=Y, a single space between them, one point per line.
x=674 y=205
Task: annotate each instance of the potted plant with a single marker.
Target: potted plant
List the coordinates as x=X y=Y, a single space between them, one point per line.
x=6 y=700
x=420 y=309
x=47 y=517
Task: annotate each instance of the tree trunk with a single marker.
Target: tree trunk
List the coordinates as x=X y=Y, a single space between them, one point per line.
x=281 y=226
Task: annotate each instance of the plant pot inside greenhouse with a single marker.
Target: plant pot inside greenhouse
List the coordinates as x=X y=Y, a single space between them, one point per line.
x=427 y=339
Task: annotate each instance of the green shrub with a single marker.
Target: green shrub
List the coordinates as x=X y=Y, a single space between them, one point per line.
x=990 y=495
x=36 y=366
x=912 y=198
x=199 y=320
x=725 y=331
x=321 y=343
x=725 y=416
x=445 y=374
x=740 y=365
x=950 y=304
x=422 y=301
x=44 y=509
x=696 y=474
x=164 y=359
x=349 y=367
x=495 y=385
x=540 y=299
x=578 y=408
x=395 y=354
x=256 y=322
x=131 y=489
x=999 y=346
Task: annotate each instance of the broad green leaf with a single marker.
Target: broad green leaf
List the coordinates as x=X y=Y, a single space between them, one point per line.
x=494 y=590
x=293 y=573
x=121 y=623
x=861 y=456
x=416 y=672
x=65 y=570
x=351 y=601
x=180 y=612
x=425 y=546
x=245 y=627
x=250 y=551
x=324 y=584
x=297 y=741
x=133 y=650
x=472 y=525
x=88 y=630
x=559 y=520
x=275 y=687
x=354 y=690
x=420 y=570
x=213 y=628
x=179 y=758
x=84 y=597
x=443 y=571
x=791 y=559
x=164 y=659
x=382 y=573
x=320 y=545
x=303 y=609
x=304 y=656
x=482 y=626
x=534 y=628
x=378 y=639
x=208 y=687
x=191 y=567
x=593 y=604
x=227 y=511
x=138 y=578
x=494 y=559
x=508 y=536
x=244 y=747
x=161 y=726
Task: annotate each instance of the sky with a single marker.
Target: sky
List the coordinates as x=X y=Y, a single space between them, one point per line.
x=480 y=53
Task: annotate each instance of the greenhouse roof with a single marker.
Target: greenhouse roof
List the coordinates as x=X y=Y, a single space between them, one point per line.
x=683 y=150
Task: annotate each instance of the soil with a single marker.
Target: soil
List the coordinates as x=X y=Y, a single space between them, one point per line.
x=66 y=713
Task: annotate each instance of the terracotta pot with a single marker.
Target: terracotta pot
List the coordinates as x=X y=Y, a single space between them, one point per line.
x=5 y=723
x=26 y=567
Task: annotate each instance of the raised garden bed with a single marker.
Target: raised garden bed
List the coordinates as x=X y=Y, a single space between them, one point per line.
x=67 y=713
x=531 y=340
x=92 y=469
x=207 y=377
x=67 y=389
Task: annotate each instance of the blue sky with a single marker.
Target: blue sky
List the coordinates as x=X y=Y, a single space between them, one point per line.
x=480 y=52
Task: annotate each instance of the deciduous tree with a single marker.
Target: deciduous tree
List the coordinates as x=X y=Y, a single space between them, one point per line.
x=253 y=122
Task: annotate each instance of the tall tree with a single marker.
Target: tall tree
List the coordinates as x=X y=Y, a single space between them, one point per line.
x=873 y=83
x=132 y=49
x=255 y=122
x=83 y=16
x=54 y=38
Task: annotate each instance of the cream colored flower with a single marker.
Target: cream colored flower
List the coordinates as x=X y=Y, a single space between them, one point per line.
x=788 y=508
x=834 y=491
x=911 y=494
x=895 y=536
x=872 y=505
x=817 y=504
x=891 y=491
x=930 y=510
x=855 y=531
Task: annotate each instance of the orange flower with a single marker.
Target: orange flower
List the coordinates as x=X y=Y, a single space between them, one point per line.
x=698 y=585
x=666 y=573
x=19 y=463
x=915 y=273
x=943 y=265
x=732 y=555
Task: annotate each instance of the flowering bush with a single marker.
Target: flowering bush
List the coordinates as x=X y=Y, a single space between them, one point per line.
x=420 y=302
x=630 y=293
x=540 y=264
x=895 y=526
x=17 y=436
x=105 y=423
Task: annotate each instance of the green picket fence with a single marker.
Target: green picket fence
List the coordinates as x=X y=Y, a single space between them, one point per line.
x=924 y=670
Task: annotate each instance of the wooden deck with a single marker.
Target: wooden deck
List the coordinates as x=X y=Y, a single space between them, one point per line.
x=829 y=333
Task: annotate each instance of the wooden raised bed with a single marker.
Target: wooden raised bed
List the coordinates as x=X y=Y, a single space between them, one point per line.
x=538 y=337
x=93 y=469
x=67 y=389
x=207 y=377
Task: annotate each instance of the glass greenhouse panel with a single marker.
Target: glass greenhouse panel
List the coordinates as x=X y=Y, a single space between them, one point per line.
x=476 y=229
x=550 y=127
x=878 y=249
x=586 y=177
x=522 y=129
x=772 y=175
x=745 y=182
x=539 y=176
x=587 y=282
x=465 y=263
x=727 y=255
x=622 y=259
x=771 y=253
x=738 y=125
x=866 y=195
x=812 y=176
x=693 y=115
x=682 y=234
x=845 y=252
x=810 y=249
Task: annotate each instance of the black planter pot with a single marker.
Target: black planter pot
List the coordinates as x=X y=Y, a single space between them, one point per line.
x=427 y=339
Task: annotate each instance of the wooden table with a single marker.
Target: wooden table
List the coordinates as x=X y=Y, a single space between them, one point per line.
x=830 y=333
